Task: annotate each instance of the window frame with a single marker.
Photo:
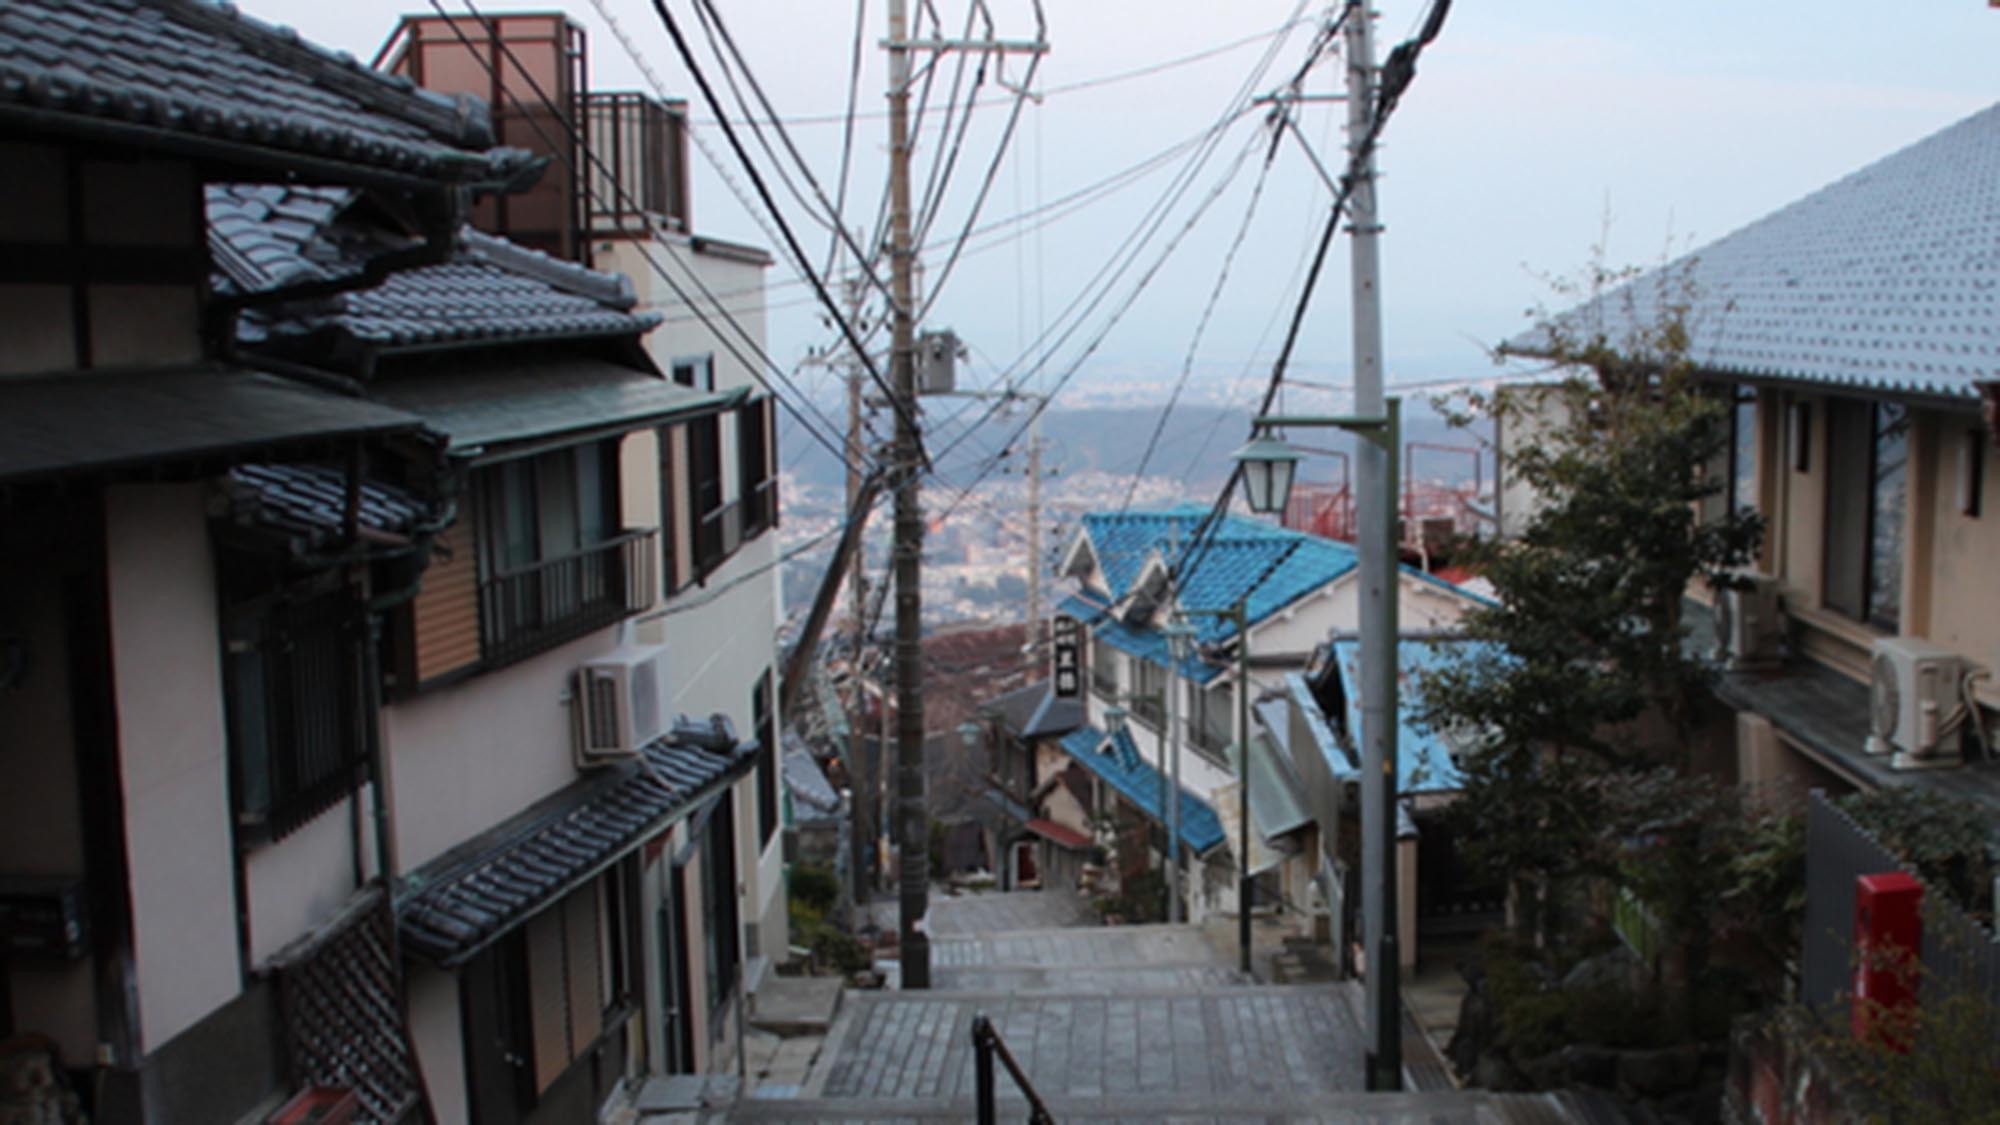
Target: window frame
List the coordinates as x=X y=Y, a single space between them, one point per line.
x=262 y=636
x=763 y=721
x=1150 y=683
x=696 y=371
x=1861 y=594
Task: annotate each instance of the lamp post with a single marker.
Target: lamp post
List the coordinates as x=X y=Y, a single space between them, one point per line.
x=1178 y=633
x=1267 y=464
x=1239 y=616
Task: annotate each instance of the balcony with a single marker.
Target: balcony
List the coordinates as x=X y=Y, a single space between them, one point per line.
x=640 y=179
x=540 y=605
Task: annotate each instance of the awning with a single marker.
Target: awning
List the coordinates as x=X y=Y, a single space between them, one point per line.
x=542 y=398
x=100 y=420
x=469 y=897
x=1264 y=853
x=1277 y=802
x=1059 y=835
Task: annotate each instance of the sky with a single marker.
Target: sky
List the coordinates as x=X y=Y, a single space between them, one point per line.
x=1534 y=131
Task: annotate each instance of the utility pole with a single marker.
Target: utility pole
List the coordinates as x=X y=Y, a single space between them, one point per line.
x=1373 y=466
x=1034 y=534
x=909 y=532
x=862 y=784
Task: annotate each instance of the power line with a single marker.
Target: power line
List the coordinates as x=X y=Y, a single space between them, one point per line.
x=1146 y=71
x=798 y=253
x=847 y=131
x=712 y=25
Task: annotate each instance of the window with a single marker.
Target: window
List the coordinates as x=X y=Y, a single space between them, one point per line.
x=695 y=371
x=565 y=979
x=718 y=862
x=753 y=449
x=1149 y=692
x=767 y=760
x=1867 y=450
x=1103 y=669
x=292 y=677
x=1212 y=727
x=704 y=492
x=1971 y=473
x=1743 y=453
x=672 y=572
x=554 y=564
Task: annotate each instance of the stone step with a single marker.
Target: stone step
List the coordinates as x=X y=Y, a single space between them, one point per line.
x=1460 y=1107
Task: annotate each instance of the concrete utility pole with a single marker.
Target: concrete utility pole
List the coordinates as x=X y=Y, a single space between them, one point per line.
x=861 y=783
x=912 y=823
x=1178 y=634
x=1034 y=534
x=1376 y=517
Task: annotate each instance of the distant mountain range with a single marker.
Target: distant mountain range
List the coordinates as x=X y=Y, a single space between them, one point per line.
x=1194 y=447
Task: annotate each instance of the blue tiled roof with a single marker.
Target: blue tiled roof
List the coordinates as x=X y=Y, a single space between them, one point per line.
x=1423 y=757
x=204 y=74
x=263 y=236
x=1887 y=279
x=1114 y=760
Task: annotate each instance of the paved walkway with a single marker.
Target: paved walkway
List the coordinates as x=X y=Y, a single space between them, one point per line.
x=987 y=912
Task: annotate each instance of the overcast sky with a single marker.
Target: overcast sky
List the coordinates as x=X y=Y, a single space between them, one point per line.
x=1530 y=125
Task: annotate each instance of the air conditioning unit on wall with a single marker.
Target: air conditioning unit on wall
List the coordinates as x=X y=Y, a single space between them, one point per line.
x=1749 y=623
x=619 y=704
x=1916 y=703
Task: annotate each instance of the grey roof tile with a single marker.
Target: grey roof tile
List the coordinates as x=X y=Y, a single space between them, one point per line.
x=473 y=894
x=1886 y=280
x=309 y=502
x=265 y=236
x=209 y=72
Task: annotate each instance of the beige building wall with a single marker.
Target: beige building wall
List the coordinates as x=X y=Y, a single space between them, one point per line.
x=438 y=1037
x=296 y=883
x=166 y=664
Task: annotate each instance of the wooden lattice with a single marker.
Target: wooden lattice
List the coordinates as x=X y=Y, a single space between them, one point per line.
x=344 y=1024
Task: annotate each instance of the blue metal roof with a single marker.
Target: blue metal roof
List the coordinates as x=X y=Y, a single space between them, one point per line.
x=1886 y=280
x=1423 y=757
x=1114 y=760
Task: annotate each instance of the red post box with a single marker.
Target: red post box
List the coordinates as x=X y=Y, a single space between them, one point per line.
x=1888 y=934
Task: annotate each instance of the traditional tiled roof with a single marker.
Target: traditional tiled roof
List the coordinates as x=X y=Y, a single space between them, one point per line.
x=204 y=76
x=309 y=502
x=468 y=897
x=263 y=236
x=1886 y=280
x=1115 y=760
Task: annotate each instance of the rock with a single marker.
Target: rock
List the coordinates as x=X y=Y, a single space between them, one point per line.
x=1610 y=969
x=1655 y=1074
x=1493 y=1072
x=1590 y=1066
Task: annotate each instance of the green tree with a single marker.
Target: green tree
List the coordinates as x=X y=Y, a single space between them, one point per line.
x=1588 y=718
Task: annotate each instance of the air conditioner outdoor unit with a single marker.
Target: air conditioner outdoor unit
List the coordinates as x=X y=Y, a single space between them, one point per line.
x=1749 y=623
x=620 y=704
x=1916 y=703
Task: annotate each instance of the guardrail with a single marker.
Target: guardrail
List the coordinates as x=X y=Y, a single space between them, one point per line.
x=986 y=1045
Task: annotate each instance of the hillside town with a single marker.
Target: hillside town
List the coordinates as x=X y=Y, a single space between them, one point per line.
x=486 y=643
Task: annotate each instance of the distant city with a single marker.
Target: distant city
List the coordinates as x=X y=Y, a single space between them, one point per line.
x=975 y=553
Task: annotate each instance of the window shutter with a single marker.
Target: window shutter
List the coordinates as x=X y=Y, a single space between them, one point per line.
x=548 y=997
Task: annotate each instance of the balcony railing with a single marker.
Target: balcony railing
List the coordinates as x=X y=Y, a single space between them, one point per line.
x=760 y=508
x=545 y=603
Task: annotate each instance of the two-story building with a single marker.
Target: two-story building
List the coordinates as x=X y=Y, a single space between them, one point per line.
x=361 y=564
x=1299 y=591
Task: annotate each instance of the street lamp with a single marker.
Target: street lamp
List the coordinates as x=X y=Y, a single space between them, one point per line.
x=1178 y=634
x=1266 y=465
x=971 y=735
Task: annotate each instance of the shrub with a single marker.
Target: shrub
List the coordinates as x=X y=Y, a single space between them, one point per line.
x=815 y=887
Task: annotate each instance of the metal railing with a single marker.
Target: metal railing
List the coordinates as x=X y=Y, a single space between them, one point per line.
x=540 y=605
x=986 y=1045
x=760 y=508
x=717 y=535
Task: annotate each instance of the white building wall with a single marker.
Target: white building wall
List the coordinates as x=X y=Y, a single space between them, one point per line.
x=172 y=745
x=295 y=883
x=439 y=1040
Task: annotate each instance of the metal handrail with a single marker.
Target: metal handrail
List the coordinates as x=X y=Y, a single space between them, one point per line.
x=986 y=1043
x=597 y=547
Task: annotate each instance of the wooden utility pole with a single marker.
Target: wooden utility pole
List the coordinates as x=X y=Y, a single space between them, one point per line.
x=861 y=775
x=912 y=821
